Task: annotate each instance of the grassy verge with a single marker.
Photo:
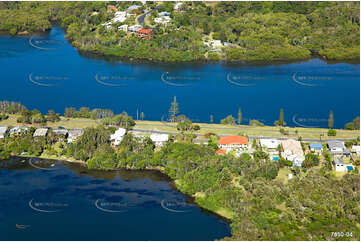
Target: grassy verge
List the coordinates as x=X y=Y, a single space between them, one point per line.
x=219 y=129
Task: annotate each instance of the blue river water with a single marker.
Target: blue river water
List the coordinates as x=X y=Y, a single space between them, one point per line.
x=46 y=72
x=52 y=200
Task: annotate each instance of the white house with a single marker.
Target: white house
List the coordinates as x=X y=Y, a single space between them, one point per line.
x=73 y=134
x=108 y=25
x=164 y=20
x=40 y=132
x=339 y=165
x=269 y=144
x=134 y=28
x=15 y=130
x=159 y=139
x=123 y=27
x=336 y=147
x=118 y=136
x=161 y=14
x=133 y=7
x=177 y=6
x=120 y=17
x=292 y=151
x=3 y=131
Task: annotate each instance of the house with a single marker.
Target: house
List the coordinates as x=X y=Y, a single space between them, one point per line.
x=3 y=131
x=269 y=144
x=200 y=140
x=214 y=44
x=132 y=8
x=159 y=139
x=123 y=27
x=40 y=132
x=161 y=14
x=112 y=8
x=108 y=25
x=134 y=28
x=117 y=137
x=316 y=147
x=73 y=134
x=356 y=149
x=177 y=7
x=339 y=165
x=61 y=132
x=164 y=20
x=337 y=147
x=144 y=33
x=233 y=143
x=15 y=130
x=292 y=151
x=120 y=17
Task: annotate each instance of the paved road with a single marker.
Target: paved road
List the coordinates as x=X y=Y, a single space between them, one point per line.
x=250 y=137
x=142 y=17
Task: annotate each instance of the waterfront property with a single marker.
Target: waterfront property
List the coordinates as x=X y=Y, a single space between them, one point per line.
x=3 y=131
x=117 y=137
x=41 y=132
x=159 y=139
x=18 y=130
x=236 y=143
x=339 y=165
x=316 y=147
x=337 y=148
x=74 y=134
x=271 y=147
x=292 y=151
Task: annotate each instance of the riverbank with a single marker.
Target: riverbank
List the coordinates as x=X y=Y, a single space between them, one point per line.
x=175 y=184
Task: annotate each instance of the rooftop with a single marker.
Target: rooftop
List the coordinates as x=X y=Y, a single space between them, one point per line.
x=233 y=140
x=40 y=132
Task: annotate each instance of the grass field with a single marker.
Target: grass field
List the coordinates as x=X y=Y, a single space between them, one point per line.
x=219 y=129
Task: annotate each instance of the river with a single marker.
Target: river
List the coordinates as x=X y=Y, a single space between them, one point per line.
x=54 y=200
x=46 y=72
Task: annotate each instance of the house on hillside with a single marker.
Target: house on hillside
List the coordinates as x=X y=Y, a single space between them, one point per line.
x=112 y=8
x=316 y=147
x=144 y=33
x=164 y=20
x=123 y=27
x=134 y=28
x=221 y=152
x=133 y=7
x=74 y=134
x=41 y=132
x=337 y=148
x=117 y=137
x=161 y=14
x=159 y=139
x=271 y=147
x=63 y=132
x=177 y=7
x=339 y=165
x=3 y=131
x=292 y=151
x=237 y=143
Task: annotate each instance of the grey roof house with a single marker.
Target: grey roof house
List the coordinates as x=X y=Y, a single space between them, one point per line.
x=40 y=132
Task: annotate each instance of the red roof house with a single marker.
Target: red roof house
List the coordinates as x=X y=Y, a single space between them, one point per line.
x=233 y=142
x=221 y=151
x=144 y=33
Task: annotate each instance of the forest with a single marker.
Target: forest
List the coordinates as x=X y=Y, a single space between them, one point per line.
x=253 y=30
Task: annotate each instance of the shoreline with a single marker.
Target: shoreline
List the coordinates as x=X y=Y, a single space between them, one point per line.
x=172 y=182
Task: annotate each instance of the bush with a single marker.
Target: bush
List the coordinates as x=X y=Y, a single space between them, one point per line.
x=331 y=132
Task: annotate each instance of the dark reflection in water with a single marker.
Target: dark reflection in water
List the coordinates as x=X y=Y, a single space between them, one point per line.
x=55 y=200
